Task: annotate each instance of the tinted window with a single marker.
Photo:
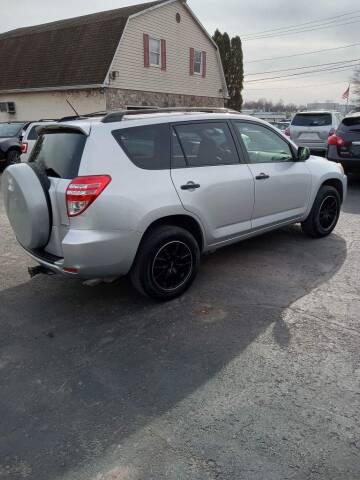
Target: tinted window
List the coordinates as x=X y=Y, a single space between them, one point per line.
x=263 y=145
x=177 y=155
x=59 y=153
x=351 y=124
x=10 y=129
x=33 y=135
x=311 y=120
x=207 y=144
x=147 y=146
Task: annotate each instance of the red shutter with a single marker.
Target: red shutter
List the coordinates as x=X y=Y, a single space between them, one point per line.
x=163 y=54
x=146 y=51
x=204 y=64
x=192 y=60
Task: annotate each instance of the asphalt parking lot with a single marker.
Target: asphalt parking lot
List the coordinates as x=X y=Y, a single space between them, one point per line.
x=253 y=374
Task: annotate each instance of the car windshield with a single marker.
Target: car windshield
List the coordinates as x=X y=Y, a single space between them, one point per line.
x=10 y=129
x=311 y=120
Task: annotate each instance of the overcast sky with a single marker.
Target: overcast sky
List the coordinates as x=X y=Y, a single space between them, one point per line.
x=242 y=17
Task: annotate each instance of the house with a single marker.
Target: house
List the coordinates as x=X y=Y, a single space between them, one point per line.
x=152 y=54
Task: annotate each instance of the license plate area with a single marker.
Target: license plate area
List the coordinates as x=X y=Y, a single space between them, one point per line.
x=309 y=136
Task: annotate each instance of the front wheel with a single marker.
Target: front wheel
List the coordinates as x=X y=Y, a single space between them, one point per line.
x=324 y=214
x=166 y=263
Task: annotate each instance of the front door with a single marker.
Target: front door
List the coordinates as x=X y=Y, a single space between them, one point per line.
x=282 y=184
x=210 y=180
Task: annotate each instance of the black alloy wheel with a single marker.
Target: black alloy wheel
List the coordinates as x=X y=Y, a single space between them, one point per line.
x=324 y=213
x=328 y=212
x=172 y=265
x=166 y=262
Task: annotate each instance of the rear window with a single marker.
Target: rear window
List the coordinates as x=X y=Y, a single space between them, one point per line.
x=10 y=129
x=33 y=135
x=147 y=147
x=351 y=124
x=311 y=120
x=59 y=153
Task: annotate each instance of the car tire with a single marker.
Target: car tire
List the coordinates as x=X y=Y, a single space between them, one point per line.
x=12 y=157
x=166 y=263
x=324 y=214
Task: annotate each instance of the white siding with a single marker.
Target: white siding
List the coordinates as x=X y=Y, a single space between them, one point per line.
x=36 y=105
x=180 y=37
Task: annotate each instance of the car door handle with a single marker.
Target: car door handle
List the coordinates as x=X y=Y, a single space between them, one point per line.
x=262 y=176
x=190 y=186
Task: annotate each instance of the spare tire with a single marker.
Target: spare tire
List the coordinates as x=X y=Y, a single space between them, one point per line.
x=27 y=204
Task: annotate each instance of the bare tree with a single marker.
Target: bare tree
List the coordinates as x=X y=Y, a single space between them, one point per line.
x=356 y=86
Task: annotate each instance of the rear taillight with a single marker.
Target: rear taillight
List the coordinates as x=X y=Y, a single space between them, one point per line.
x=24 y=147
x=337 y=140
x=83 y=191
x=287 y=132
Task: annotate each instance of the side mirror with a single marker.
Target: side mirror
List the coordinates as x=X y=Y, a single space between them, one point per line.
x=303 y=154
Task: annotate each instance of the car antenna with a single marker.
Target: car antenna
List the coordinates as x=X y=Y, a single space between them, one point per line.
x=76 y=113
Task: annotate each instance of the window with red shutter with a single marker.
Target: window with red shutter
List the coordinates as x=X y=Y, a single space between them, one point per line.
x=146 y=50
x=192 y=59
x=204 y=64
x=163 y=54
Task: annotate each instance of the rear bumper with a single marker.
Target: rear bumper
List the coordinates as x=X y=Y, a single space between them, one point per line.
x=91 y=254
x=349 y=164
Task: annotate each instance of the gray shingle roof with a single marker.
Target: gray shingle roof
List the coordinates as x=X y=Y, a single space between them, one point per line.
x=76 y=51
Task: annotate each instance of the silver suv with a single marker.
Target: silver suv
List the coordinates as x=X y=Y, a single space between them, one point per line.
x=312 y=129
x=147 y=193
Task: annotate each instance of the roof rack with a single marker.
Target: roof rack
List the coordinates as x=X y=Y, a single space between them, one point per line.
x=118 y=116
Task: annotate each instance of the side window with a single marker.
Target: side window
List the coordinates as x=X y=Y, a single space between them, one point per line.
x=207 y=144
x=33 y=135
x=263 y=145
x=147 y=147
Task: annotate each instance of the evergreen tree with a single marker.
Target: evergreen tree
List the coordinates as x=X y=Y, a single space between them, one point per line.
x=232 y=59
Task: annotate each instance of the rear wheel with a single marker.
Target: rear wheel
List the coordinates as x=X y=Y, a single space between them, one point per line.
x=324 y=214
x=166 y=263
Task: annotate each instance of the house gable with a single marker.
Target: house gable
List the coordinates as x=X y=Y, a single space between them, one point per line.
x=161 y=23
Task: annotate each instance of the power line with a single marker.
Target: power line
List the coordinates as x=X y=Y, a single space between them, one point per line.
x=297 y=26
x=300 y=31
x=344 y=67
x=314 y=85
x=300 y=68
x=302 y=54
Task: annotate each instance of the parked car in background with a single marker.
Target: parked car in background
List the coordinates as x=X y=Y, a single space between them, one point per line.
x=344 y=144
x=312 y=129
x=29 y=136
x=10 y=142
x=147 y=192
x=281 y=125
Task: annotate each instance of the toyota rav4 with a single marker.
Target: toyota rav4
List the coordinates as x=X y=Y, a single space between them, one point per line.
x=147 y=193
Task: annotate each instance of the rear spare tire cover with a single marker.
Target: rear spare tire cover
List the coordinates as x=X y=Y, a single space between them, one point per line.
x=27 y=205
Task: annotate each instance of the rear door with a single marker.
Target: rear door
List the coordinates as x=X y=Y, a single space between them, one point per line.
x=57 y=155
x=282 y=185
x=311 y=128
x=211 y=181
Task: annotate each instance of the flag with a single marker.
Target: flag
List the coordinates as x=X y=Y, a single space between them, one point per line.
x=346 y=93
